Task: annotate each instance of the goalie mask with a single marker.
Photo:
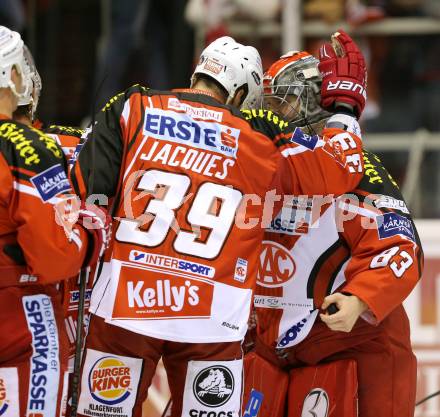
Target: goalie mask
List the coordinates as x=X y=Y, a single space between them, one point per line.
x=12 y=56
x=292 y=89
x=233 y=65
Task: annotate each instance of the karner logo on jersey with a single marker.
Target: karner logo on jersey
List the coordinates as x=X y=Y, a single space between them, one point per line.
x=392 y=224
x=183 y=129
x=276 y=265
x=109 y=380
x=316 y=403
x=303 y=139
x=51 y=182
x=214 y=386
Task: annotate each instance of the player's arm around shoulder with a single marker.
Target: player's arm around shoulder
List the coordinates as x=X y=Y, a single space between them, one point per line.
x=34 y=170
x=321 y=164
x=386 y=254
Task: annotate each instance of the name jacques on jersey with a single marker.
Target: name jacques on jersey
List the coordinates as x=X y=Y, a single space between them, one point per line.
x=207 y=148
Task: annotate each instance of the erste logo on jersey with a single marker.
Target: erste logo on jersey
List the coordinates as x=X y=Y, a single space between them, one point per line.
x=392 y=224
x=214 y=386
x=182 y=129
x=109 y=380
x=276 y=265
x=4 y=402
x=144 y=294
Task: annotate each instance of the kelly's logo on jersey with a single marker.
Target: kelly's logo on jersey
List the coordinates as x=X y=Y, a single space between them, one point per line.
x=4 y=401
x=183 y=129
x=51 y=182
x=276 y=265
x=392 y=224
x=144 y=294
x=110 y=380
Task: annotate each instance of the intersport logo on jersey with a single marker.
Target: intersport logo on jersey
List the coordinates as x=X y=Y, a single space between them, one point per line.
x=146 y=295
x=182 y=129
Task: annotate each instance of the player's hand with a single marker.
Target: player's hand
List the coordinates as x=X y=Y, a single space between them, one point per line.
x=344 y=74
x=350 y=308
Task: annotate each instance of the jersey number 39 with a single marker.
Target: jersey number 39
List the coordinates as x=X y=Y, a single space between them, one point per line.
x=199 y=214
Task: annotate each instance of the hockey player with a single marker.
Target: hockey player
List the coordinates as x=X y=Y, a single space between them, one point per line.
x=187 y=175
x=360 y=252
x=37 y=251
x=68 y=138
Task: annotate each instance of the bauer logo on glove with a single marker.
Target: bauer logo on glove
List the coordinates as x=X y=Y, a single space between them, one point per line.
x=344 y=74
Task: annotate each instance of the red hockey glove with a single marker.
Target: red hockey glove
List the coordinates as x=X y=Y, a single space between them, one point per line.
x=97 y=222
x=93 y=219
x=344 y=74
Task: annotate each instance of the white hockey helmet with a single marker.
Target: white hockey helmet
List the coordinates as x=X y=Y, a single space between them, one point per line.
x=233 y=65
x=11 y=55
x=33 y=95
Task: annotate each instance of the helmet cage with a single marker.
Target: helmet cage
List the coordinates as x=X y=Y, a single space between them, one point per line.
x=296 y=85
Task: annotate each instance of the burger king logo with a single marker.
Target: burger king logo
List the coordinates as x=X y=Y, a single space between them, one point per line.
x=109 y=380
